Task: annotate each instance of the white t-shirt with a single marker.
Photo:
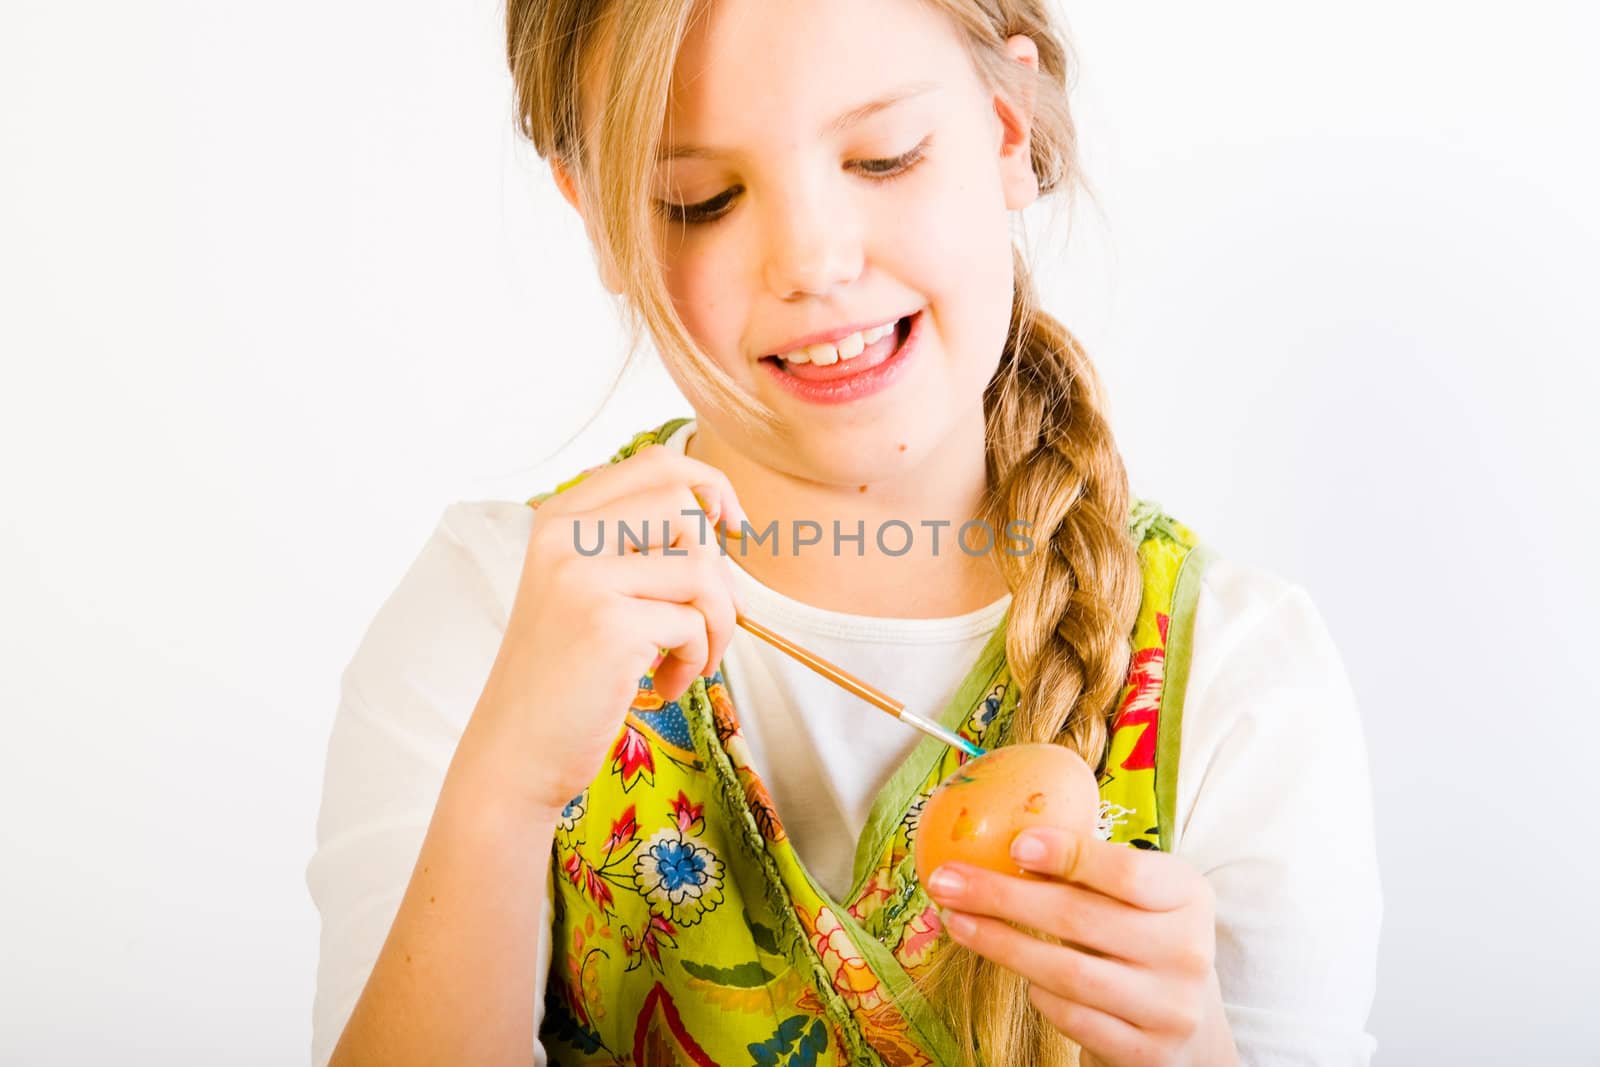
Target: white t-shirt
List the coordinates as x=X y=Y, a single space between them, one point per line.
x=1273 y=799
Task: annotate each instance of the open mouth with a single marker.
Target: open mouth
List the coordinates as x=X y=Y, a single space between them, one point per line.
x=835 y=364
x=838 y=378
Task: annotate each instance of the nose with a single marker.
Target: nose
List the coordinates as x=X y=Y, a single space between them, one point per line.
x=814 y=246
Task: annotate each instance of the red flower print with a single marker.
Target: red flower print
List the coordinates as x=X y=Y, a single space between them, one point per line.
x=689 y=817
x=623 y=830
x=660 y=1037
x=1141 y=707
x=853 y=979
x=874 y=893
x=583 y=875
x=632 y=758
x=919 y=937
x=648 y=944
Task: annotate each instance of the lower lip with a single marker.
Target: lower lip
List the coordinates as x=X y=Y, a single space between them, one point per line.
x=856 y=386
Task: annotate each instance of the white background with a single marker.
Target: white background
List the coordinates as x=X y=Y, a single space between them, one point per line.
x=278 y=283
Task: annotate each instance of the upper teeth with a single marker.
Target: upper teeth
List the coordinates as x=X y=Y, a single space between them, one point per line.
x=844 y=348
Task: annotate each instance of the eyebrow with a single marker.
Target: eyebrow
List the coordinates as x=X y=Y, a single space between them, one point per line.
x=838 y=125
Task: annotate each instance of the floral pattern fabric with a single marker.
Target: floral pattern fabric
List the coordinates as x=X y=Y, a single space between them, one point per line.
x=687 y=931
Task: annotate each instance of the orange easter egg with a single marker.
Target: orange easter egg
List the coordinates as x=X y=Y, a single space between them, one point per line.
x=975 y=813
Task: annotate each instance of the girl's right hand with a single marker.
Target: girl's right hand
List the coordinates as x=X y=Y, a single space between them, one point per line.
x=584 y=629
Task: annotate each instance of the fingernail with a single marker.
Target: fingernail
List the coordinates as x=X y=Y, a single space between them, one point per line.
x=957 y=925
x=700 y=500
x=1027 y=849
x=946 y=883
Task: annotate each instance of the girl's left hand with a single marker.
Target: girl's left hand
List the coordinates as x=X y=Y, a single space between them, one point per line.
x=1136 y=983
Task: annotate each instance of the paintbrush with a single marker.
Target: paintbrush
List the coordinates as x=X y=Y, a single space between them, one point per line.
x=845 y=680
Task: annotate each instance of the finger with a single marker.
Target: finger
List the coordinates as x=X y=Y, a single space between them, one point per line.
x=664 y=516
x=1074 y=914
x=718 y=610
x=1104 y=1036
x=700 y=580
x=649 y=521
x=1154 y=881
x=722 y=622
x=707 y=508
x=684 y=536
x=651 y=466
x=1120 y=989
x=678 y=629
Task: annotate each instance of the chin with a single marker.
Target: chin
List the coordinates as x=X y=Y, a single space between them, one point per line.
x=874 y=452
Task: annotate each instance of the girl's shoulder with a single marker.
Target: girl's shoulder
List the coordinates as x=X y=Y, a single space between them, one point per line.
x=1256 y=630
x=437 y=631
x=1243 y=625
x=1270 y=719
x=1259 y=681
x=486 y=540
x=1229 y=598
x=1225 y=594
x=490 y=538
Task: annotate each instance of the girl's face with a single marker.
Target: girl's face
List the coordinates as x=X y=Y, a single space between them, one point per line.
x=835 y=164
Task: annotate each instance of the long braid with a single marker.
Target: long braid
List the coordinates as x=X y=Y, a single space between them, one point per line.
x=1053 y=463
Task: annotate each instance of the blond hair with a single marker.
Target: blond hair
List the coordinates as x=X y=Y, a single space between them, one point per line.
x=1050 y=454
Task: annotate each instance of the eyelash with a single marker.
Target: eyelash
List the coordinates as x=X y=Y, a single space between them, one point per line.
x=708 y=211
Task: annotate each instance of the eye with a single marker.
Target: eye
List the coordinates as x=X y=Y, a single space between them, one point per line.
x=704 y=211
x=711 y=210
x=885 y=169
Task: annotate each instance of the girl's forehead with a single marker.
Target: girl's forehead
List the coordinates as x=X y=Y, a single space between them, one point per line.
x=755 y=68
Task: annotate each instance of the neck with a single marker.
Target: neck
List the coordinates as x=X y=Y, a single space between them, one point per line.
x=932 y=578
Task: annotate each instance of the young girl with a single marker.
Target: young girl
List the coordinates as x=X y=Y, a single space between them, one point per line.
x=573 y=812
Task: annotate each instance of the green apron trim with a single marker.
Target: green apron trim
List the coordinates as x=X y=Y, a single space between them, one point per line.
x=736 y=809
x=889 y=808
x=933 y=1034
x=1180 y=643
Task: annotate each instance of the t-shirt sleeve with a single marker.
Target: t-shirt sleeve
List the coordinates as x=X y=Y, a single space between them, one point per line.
x=405 y=698
x=1274 y=807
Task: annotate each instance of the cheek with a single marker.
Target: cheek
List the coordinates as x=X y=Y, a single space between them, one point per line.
x=701 y=281
x=951 y=241
x=977 y=222
x=951 y=238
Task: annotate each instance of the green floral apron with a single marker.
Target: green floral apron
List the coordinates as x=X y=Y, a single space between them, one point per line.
x=686 y=929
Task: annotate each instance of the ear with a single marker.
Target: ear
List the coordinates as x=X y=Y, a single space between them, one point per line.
x=565 y=182
x=1020 y=184
x=568 y=185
